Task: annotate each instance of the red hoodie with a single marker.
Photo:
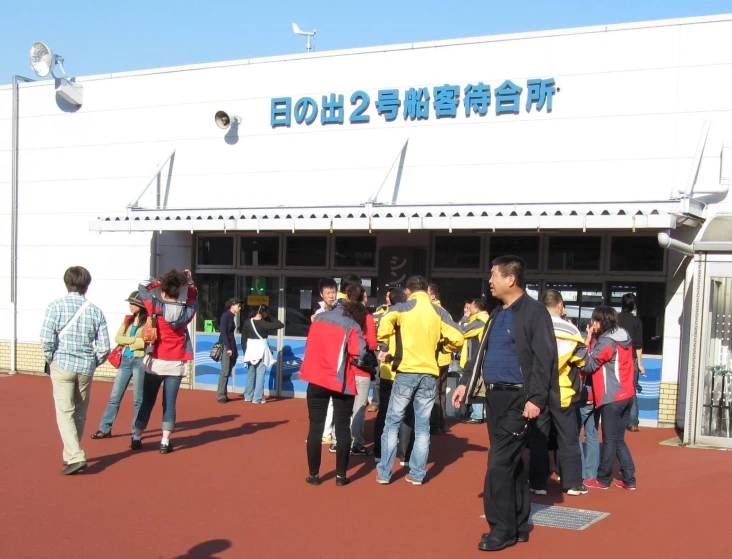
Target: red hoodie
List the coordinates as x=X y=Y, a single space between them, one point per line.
x=174 y=343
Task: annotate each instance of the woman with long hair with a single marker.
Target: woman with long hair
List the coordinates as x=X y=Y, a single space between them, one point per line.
x=132 y=368
x=257 y=354
x=335 y=341
x=173 y=300
x=609 y=358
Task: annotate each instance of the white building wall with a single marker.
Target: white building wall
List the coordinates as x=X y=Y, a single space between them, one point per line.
x=625 y=127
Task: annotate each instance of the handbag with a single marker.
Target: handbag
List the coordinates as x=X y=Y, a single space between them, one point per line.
x=150 y=330
x=217 y=352
x=115 y=356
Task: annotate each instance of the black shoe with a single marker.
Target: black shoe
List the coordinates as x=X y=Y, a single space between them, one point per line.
x=491 y=543
x=74 y=468
x=166 y=448
x=341 y=481
x=332 y=448
x=471 y=421
x=224 y=401
x=360 y=451
x=522 y=538
x=313 y=480
x=136 y=444
x=102 y=435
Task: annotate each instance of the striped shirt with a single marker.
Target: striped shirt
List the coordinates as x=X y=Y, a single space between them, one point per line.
x=85 y=345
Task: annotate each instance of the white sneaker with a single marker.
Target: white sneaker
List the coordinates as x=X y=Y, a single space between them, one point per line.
x=403 y=463
x=538 y=491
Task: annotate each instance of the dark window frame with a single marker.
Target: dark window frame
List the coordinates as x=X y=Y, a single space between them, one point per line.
x=480 y=252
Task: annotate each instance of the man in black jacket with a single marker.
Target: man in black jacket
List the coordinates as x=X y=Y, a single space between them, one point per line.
x=228 y=340
x=517 y=363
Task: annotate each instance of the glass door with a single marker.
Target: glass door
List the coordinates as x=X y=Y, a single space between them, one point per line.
x=716 y=391
x=580 y=299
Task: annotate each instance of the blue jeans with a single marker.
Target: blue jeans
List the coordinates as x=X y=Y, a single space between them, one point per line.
x=131 y=368
x=407 y=386
x=634 y=421
x=588 y=418
x=615 y=420
x=254 y=390
x=477 y=411
x=150 y=389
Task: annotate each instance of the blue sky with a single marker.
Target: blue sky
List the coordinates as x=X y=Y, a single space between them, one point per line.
x=112 y=36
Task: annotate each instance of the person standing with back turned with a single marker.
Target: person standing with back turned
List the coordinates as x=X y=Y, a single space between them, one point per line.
x=517 y=360
x=75 y=342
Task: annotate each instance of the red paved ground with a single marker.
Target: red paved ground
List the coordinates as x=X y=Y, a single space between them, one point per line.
x=235 y=488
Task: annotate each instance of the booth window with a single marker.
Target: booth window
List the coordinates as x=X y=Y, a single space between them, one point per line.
x=215 y=251
x=213 y=292
x=355 y=252
x=651 y=302
x=307 y=251
x=301 y=301
x=457 y=252
x=259 y=251
x=636 y=254
x=574 y=253
x=527 y=247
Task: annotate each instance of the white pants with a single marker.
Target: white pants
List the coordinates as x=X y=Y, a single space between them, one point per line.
x=358 y=418
x=71 y=395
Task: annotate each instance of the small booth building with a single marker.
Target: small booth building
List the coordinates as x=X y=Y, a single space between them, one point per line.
x=601 y=155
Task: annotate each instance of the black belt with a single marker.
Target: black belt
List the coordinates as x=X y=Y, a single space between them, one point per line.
x=504 y=386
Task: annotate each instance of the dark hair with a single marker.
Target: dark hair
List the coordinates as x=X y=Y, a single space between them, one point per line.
x=231 y=302
x=353 y=308
x=551 y=298
x=264 y=310
x=481 y=303
x=628 y=302
x=348 y=280
x=326 y=283
x=172 y=281
x=397 y=295
x=607 y=317
x=77 y=279
x=511 y=266
x=142 y=315
x=434 y=289
x=416 y=283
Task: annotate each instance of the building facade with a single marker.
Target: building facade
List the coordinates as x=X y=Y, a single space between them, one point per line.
x=572 y=148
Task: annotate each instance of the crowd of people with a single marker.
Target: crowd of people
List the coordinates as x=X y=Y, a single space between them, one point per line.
x=525 y=370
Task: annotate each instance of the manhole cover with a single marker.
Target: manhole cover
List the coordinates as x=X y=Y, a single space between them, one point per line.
x=563 y=517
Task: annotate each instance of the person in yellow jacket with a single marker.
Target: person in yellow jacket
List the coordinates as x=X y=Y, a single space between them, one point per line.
x=473 y=327
x=561 y=412
x=438 y=425
x=376 y=397
x=420 y=327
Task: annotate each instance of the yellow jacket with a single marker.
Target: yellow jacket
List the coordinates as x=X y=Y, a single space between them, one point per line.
x=569 y=340
x=136 y=343
x=473 y=331
x=420 y=327
x=444 y=358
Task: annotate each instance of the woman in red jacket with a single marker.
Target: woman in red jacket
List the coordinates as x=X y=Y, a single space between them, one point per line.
x=174 y=300
x=335 y=340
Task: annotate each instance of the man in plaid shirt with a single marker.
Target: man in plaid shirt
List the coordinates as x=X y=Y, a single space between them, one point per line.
x=74 y=355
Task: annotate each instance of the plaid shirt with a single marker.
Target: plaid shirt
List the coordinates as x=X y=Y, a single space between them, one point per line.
x=85 y=345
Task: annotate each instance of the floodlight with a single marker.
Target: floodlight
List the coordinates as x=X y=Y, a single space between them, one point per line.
x=224 y=120
x=309 y=34
x=43 y=61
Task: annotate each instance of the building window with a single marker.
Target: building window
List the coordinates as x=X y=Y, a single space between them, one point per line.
x=574 y=253
x=213 y=291
x=259 y=251
x=650 y=298
x=523 y=246
x=636 y=254
x=301 y=302
x=307 y=251
x=215 y=251
x=457 y=252
x=355 y=252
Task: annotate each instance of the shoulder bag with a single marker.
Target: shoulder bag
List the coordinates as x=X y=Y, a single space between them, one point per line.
x=150 y=330
x=62 y=333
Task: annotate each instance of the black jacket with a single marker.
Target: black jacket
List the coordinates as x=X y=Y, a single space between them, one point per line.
x=227 y=327
x=537 y=353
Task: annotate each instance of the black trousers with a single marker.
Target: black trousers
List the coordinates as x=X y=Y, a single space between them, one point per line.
x=317 y=398
x=569 y=456
x=406 y=429
x=439 y=410
x=506 y=493
x=376 y=398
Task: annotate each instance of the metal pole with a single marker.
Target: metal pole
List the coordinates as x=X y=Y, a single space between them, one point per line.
x=14 y=224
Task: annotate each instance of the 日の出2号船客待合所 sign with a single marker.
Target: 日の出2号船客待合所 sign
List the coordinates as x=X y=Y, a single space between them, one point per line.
x=415 y=104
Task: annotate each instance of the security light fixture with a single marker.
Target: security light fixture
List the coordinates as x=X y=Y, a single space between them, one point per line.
x=43 y=61
x=309 y=34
